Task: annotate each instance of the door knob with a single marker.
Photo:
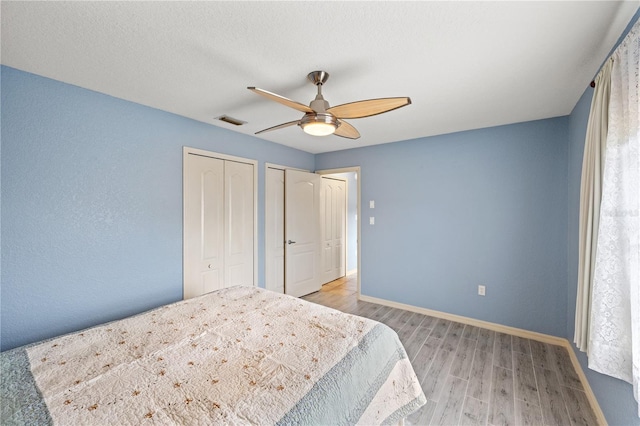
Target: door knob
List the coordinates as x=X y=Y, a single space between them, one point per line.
x=291 y=242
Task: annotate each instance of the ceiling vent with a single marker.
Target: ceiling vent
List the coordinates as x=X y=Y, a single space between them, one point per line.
x=231 y=120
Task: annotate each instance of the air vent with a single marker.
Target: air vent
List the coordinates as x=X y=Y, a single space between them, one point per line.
x=231 y=120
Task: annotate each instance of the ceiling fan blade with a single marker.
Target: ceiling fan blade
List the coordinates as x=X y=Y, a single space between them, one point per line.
x=281 y=99
x=279 y=126
x=346 y=130
x=368 y=108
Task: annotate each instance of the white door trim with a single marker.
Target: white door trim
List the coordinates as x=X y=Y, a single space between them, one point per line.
x=185 y=153
x=280 y=167
x=358 y=180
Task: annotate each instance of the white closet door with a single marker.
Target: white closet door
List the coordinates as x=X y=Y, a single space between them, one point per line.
x=238 y=223
x=203 y=225
x=219 y=222
x=274 y=231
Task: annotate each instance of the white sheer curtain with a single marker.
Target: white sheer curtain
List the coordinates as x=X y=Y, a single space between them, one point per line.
x=614 y=336
x=590 y=196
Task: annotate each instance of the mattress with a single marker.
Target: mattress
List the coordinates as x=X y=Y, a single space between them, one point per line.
x=240 y=355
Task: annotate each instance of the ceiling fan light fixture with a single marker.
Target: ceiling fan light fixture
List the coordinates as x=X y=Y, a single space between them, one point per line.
x=319 y=129
x=319 y=124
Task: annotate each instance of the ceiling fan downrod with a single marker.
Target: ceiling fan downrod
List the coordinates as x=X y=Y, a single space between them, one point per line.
x=319 y=104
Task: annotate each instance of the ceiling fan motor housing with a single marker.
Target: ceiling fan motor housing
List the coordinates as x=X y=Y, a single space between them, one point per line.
x=319 y=105
x=312 y=117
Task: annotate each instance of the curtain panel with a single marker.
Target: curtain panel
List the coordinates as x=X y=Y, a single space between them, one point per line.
x=590 y=196
x=614 y=330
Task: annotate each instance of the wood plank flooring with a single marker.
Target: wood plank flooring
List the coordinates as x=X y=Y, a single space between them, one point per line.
x=475 y=376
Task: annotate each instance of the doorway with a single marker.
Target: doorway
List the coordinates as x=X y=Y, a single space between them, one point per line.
x=353 y=267
x=292 y=230
x=274 y=224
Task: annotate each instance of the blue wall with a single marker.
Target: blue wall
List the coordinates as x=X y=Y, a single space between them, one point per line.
x=455 y=211
x=92 y=204
x=92 y=211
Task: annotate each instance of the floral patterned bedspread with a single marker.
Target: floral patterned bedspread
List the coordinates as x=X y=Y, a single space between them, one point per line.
x=241 y=355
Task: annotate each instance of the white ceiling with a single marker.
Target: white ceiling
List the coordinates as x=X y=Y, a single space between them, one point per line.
x=465 y=65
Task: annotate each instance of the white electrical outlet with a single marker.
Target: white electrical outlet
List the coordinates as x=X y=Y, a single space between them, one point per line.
x=372 y=220
x=481 y=290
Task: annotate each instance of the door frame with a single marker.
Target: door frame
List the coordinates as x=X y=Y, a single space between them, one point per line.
x=186 y=151
x=355 y=169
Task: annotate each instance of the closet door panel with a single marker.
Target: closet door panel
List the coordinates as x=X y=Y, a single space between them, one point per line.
x=203 y=226
x=239 y=208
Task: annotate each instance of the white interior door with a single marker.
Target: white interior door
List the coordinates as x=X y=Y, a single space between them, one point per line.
x=333 y=228
x=302 y=232
x=340 y=229
x=238 y=223
x=203 y=225
x=274 y=229
x=326 y=228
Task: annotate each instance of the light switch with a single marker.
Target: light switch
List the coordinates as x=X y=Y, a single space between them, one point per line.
x=372 y=220
x=372 y=204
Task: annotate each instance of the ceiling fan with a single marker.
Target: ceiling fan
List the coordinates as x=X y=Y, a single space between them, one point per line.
x=320 y=120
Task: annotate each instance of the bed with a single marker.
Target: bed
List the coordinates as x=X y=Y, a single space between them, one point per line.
x=240 y=355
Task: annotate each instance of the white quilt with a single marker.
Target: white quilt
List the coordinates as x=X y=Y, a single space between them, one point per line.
x=236 y=356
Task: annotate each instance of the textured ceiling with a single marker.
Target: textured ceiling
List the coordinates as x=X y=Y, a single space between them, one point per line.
x=465 y=65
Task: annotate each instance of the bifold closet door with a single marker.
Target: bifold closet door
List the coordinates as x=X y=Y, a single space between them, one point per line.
x=218 y=224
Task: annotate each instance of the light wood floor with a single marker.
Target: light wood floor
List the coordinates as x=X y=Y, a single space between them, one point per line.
x=475 y=376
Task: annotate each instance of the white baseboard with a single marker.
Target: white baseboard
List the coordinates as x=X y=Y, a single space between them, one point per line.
x=587 y=387
x=540 y=337
x=471 y=321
